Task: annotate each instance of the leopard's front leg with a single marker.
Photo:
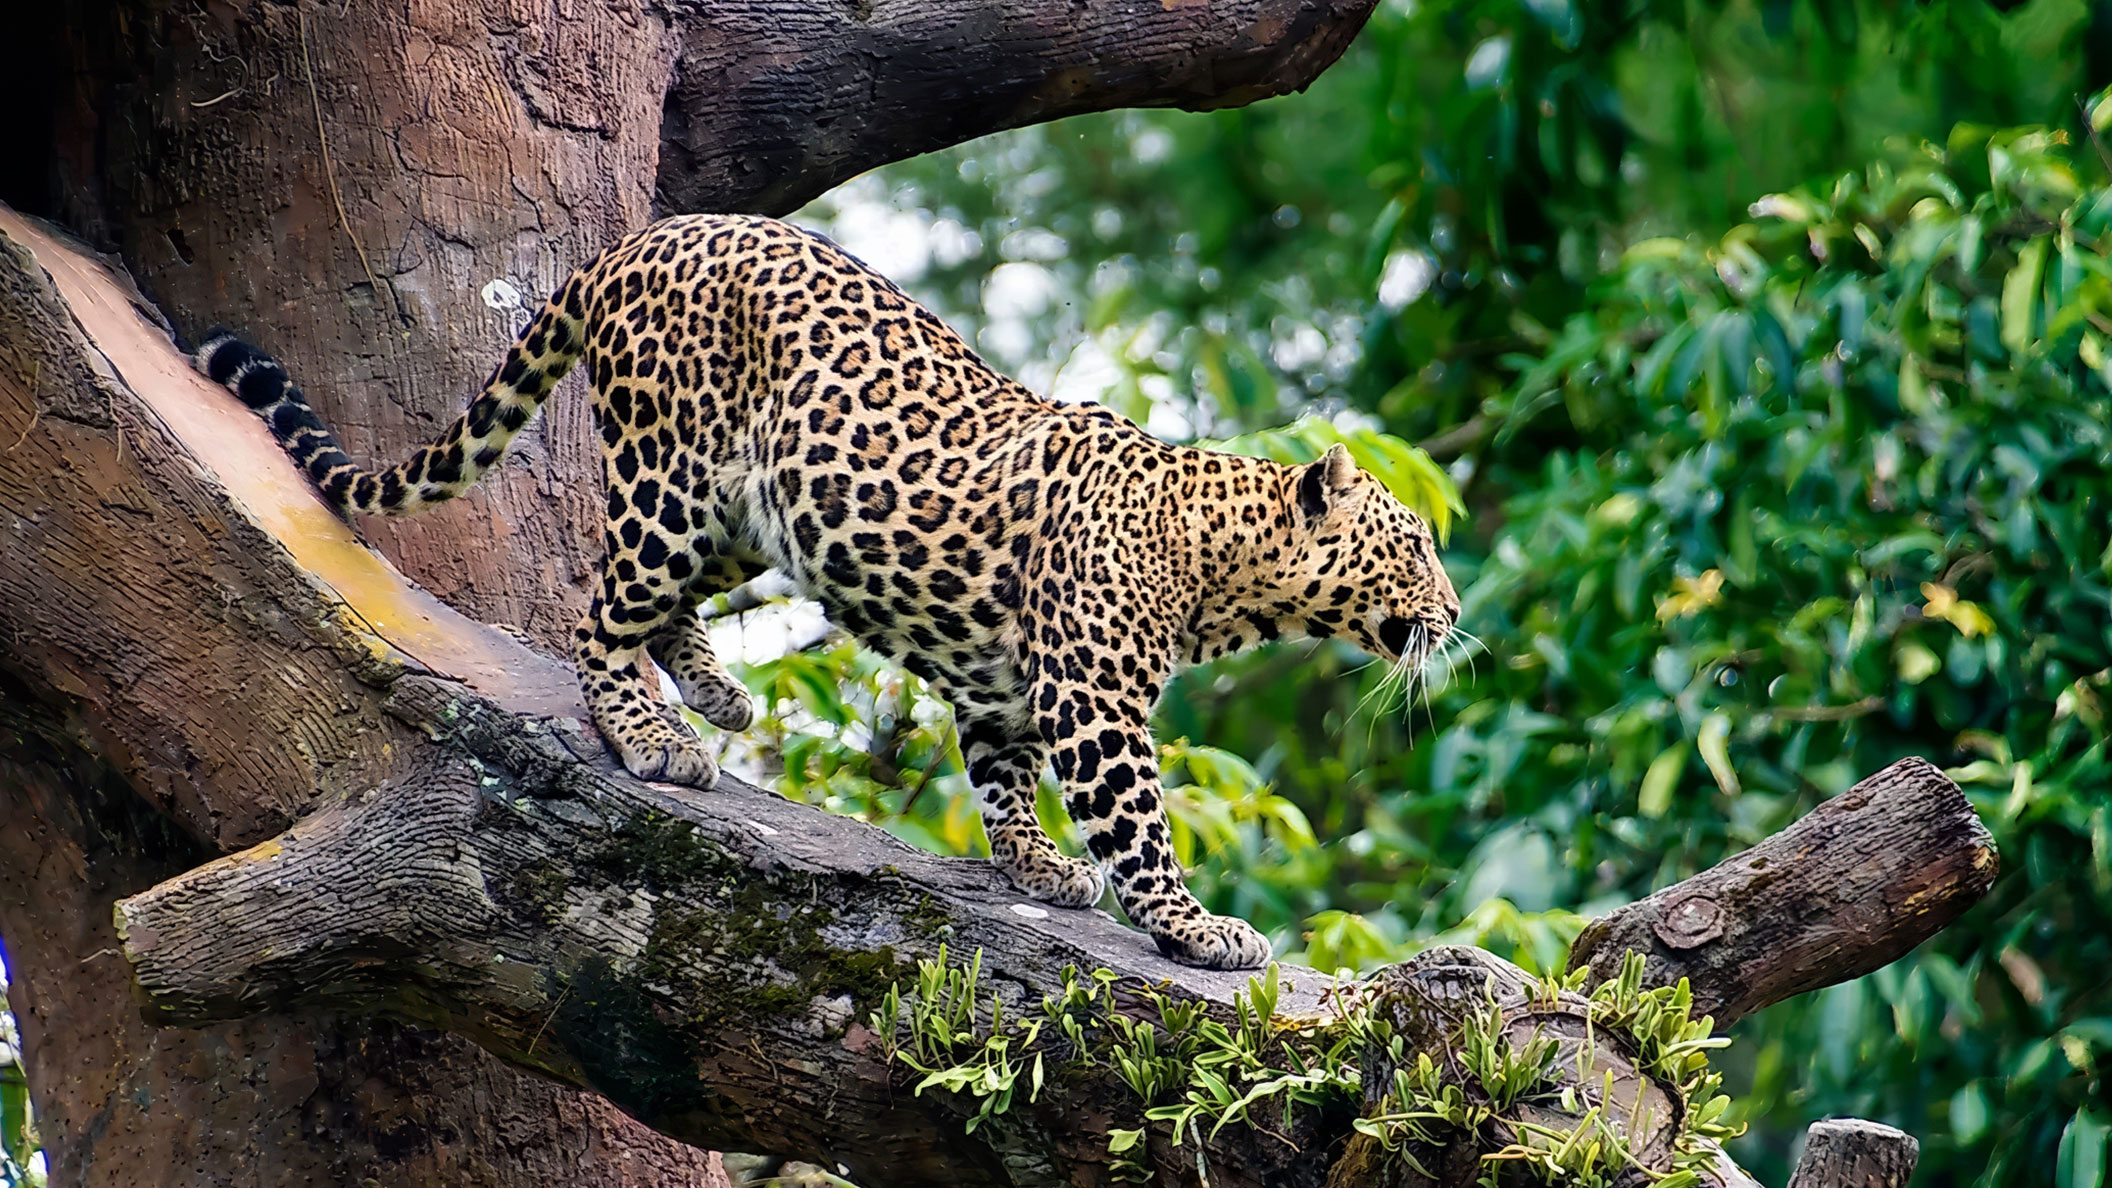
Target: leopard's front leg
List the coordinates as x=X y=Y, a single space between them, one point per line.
x=683 y=648
x=1108 y=766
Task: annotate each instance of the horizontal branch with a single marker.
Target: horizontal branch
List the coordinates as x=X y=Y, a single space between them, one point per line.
x=1850 y=888
x=774 y=103
x=707 y=961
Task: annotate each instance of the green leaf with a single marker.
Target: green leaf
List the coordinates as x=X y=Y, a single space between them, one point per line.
x=1654 y=798
x=1969 y=1114
x=2020 y=296
x=2080 y=1161
x=1712 y=740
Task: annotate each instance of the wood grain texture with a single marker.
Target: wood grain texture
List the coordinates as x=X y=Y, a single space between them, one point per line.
x=343 y=183
x=1849 y=888
x=1851 y=1153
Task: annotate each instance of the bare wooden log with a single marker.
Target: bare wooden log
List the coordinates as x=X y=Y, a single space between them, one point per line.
x=1851 y=887
x=1852 y=1153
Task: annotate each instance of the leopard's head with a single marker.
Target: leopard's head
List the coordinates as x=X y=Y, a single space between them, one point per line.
x=1363 y=566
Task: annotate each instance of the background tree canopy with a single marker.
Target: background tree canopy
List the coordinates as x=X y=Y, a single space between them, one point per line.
x=1758 y=353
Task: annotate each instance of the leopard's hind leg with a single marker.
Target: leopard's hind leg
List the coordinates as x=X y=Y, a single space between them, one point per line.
x=683 y=647
x=653 y=549
x=651 y=739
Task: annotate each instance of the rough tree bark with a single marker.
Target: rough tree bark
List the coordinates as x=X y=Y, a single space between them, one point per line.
x=1862 y=859
x=368 y=186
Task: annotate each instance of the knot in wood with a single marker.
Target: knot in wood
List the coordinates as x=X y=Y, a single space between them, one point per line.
x=1689 y=922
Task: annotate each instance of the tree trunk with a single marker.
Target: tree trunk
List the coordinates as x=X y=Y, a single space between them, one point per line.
x=373 y=188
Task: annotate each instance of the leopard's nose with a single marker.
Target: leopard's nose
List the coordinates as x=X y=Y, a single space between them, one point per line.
x=1393 y=634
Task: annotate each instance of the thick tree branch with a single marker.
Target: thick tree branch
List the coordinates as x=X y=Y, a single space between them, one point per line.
x=706 y=961
x=1850 y=888
x=772 y=104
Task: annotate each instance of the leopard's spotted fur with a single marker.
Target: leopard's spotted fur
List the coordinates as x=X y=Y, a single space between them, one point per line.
x=765 y=400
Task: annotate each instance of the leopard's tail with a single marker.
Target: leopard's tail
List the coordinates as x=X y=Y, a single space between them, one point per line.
x=540 y=357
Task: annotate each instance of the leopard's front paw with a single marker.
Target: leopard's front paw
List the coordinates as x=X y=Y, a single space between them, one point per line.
x=1214 y=942
x=659 y=751
x=1053 y=878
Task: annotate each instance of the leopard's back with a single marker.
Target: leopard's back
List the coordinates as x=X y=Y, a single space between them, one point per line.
x=759 y=386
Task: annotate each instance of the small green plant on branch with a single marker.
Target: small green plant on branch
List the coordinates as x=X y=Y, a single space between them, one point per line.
x=1428 y=1106
x=1194 y=1073
x=948 y=1047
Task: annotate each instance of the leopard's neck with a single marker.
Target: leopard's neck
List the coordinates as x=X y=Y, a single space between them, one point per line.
x=1235 y=514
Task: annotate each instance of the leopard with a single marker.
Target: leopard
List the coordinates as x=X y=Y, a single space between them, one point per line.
x=765 y=401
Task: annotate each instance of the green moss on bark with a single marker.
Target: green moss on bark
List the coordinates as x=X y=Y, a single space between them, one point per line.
x=745 y=955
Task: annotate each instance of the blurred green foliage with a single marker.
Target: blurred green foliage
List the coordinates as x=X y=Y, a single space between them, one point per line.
x=1764 y=346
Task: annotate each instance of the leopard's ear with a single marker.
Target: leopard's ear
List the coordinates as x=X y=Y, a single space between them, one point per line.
x=1324 y=482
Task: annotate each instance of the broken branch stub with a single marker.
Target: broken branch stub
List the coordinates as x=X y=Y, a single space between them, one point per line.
x=1851 y=1153
x=1849 y=888
x=1431 y=1002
